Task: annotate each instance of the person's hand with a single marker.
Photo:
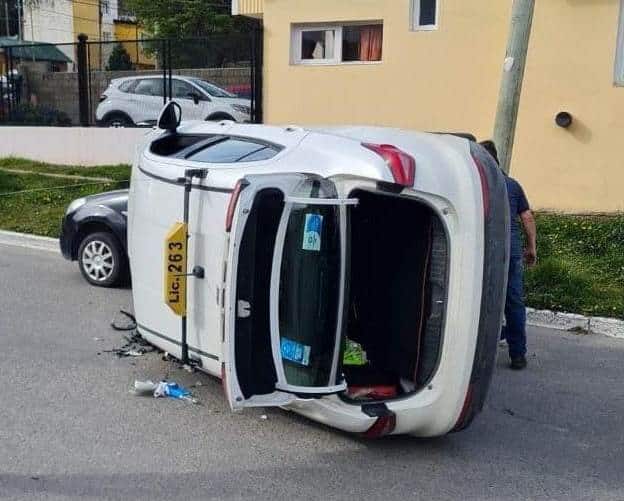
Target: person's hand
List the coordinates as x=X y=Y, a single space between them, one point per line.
x=530 y=257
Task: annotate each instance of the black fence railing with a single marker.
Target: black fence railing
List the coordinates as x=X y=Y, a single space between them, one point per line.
x=125 y=83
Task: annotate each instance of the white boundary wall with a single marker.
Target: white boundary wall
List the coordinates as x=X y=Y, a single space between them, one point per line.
x=72 y=145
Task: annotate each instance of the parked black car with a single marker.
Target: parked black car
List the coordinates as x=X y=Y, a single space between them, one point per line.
x=94 y=233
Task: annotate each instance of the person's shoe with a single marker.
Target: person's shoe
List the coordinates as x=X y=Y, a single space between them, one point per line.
x=518 y=363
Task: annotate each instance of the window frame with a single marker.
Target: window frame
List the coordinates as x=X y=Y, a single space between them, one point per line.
x=415 y=17
x=297 y=30
x=618 y=72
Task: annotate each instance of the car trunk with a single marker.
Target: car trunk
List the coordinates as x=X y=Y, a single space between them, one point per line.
x=393 y=300
x=398 y=260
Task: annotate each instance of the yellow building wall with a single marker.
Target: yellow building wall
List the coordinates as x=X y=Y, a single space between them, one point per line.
x=131 y=31
x=448 y=80
x=253 y=8
x=87 y=21
x=571 y=68
x=430 y=80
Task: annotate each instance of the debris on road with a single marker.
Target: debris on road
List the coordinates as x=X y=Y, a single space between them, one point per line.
x=135 y=346
x=163 y=389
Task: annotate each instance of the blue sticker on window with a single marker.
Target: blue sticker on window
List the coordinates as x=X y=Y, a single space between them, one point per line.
x=312 y=232
x=295 y=352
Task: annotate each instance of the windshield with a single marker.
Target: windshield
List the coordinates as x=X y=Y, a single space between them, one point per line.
x=212 y=89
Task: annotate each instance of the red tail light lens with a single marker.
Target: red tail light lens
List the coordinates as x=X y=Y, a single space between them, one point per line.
x=384 y=425
x=229 y=216
x=401 y=165
x=461 y=420
x=485 y=188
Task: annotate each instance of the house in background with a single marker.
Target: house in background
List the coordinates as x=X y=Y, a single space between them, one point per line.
x=61 y=21
x=43 y=57
x=436 y=65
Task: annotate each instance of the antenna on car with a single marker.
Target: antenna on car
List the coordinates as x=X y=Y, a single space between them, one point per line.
x=170 y=117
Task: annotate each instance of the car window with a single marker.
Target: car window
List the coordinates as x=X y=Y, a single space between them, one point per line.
x=231 y=150
x=127 y=86
x=181 y=90
x=212 y=89
x=149 y=87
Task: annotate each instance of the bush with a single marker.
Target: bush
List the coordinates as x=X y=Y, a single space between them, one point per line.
x=119 y=59
x=581 y=265
x=29 y=114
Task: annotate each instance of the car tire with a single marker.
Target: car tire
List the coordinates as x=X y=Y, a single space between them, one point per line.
x=217 y=117
x=102 y=260
x=117 y=120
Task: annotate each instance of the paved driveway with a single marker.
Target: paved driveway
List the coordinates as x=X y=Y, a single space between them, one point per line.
x=70 y=429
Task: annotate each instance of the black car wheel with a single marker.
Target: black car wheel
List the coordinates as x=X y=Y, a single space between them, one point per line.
x=117 y=120
x=102 y=260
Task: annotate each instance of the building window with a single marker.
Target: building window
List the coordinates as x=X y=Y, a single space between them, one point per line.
x=337 y=44
x=424 y=15
x=619 y=53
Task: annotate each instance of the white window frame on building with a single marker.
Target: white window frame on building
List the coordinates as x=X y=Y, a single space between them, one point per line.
x=619 y=53
x=415 y=22
x=336 y=56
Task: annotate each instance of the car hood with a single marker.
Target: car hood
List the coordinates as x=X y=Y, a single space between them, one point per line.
x=116 y=200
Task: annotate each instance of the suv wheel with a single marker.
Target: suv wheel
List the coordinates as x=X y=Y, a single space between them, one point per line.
x=101 y=259
x=117 y=120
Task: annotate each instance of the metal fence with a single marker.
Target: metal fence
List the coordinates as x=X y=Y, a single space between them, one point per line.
x=126 y=82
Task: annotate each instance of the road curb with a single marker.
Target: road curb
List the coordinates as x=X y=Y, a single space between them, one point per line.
x=29 y=241
x=611 y=327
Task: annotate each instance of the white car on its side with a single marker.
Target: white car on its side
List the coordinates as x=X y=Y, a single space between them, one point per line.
x=312 y=240
x=138 y=100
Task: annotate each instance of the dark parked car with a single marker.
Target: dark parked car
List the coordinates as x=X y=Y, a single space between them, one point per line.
x=94 y=234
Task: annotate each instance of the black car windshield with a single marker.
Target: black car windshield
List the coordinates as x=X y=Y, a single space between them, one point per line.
x=211 y=89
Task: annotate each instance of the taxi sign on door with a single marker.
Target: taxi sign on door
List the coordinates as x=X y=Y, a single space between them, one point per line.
x=175 y=268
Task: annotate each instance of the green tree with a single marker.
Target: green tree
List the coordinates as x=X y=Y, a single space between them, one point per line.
x=119 y=59
x=185 y=18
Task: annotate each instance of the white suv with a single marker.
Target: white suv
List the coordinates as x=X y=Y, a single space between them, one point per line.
x=138 y=100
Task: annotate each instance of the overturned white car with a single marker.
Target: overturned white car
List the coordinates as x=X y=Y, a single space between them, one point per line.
x=305 y=243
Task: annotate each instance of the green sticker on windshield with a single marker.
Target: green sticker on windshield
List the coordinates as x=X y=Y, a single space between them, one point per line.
x=312 y=232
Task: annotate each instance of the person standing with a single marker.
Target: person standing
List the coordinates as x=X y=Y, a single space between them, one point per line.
x=514 y=331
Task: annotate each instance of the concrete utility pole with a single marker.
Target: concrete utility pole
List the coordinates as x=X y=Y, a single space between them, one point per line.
x=511 y=83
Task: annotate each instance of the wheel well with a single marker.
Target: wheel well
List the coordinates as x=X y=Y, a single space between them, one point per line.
x=117 y=113
x=220 y=115
x=86 y=230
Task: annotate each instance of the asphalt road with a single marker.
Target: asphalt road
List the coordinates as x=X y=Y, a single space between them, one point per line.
x=70 y=429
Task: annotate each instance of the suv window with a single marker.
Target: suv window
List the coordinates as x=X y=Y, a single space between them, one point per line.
x=181 y=90
x=128 y=85
x=149 y=87
x=231 y=150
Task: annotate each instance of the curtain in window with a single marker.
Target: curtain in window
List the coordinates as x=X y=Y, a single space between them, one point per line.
x=371 y=39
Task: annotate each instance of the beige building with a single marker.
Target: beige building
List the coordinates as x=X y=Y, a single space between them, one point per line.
x=436 y=65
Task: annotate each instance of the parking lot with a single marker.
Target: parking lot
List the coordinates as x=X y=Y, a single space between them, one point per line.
x=70 y=428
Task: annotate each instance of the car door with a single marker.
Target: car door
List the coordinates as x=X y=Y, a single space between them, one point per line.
x=285 y=289
x=148 y=94
x=192 y=108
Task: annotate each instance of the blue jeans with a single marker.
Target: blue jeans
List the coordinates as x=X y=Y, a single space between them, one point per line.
x=515 y=312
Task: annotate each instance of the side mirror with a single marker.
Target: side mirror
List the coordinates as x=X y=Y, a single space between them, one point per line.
x=195 y=97
x=170 y=117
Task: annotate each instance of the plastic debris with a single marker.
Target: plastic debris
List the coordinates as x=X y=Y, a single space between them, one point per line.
x=163 y=389
x=354 y=354
x=264 y=417
x=188 y=368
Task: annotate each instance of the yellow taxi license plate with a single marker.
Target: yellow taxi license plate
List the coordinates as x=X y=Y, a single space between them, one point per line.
x=175 y=268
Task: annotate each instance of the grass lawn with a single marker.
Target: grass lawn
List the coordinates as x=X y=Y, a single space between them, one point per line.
x=581 y=265
x=40 y=211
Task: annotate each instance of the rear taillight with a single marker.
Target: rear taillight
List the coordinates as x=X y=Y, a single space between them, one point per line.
x=103 y=97
x=485 y=188
x=384 y=425
x=229 y=216
x=401 y=165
